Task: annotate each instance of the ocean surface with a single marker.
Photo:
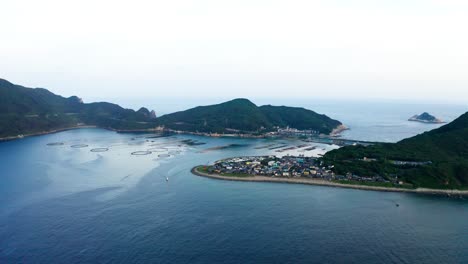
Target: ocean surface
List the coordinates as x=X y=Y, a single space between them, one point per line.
x=80 y=196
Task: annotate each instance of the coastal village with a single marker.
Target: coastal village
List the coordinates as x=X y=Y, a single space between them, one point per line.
x=286 y=166
x=281 y=133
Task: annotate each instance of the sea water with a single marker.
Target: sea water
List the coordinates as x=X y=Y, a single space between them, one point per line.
x=64 y=204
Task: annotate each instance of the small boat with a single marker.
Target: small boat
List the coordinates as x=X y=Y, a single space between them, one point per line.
x=167 y=179
x=397 y=205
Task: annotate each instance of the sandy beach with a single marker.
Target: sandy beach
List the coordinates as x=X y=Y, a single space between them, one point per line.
x=195 y=171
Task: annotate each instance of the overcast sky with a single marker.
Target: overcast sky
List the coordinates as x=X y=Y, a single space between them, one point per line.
x=399 y=49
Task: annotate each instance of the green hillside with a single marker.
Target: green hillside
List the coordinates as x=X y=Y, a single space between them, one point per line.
x=244 y=116
x=445 y=149
x=26 y=110
x=299 y=118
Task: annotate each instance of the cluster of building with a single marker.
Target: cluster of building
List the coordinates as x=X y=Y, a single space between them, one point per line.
x=292 y=132
x=357 y=178
x=287 y=166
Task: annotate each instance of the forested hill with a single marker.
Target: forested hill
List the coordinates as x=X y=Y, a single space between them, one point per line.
x=244 y=116
x=27 y=111
x=444 y=149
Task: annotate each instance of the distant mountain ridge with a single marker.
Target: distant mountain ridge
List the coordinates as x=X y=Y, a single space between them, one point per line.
x=35 y=110
x=242 y=115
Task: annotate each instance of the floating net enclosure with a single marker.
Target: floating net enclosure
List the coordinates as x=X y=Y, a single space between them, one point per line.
x=99 y=149
x=55 y=144
x=141 y=153
x=79 y=146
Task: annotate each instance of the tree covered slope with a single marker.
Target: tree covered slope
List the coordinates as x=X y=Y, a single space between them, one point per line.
x=445 y=149
x=244 y=116
x=26 y=110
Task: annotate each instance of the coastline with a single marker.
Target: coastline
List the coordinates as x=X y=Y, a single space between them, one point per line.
x=149 y=130
x=305 y=181
x=338 y=130
x=335 y=133
x=43 y=133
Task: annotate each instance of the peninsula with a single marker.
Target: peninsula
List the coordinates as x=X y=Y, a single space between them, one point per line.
x=201 y=171
x=432 y=162
x=436 y=159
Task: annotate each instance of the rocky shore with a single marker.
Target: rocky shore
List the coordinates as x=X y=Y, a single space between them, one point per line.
x=195 y=171
x=338 y=130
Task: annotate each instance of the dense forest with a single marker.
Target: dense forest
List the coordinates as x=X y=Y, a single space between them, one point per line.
x=244 y=116
x=26 y=111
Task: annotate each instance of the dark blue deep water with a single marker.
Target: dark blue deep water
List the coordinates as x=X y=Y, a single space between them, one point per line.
x=60 y=204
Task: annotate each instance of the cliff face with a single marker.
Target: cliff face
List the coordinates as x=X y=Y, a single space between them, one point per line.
x=153 y=114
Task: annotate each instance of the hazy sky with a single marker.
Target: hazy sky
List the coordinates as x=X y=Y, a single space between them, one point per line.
x=245 y=48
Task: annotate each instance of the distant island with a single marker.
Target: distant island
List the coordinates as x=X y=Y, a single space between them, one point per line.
x=27 y=111
x=426 y=118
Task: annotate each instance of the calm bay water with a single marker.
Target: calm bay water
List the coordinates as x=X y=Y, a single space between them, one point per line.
x=69 y=205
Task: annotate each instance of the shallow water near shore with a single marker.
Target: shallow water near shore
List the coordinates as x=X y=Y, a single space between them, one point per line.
x=65 y=204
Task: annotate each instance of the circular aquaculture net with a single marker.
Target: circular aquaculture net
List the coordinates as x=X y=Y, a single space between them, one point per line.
x=99 y=150
x=55 y=144
x=141 y=153
x=79 y=146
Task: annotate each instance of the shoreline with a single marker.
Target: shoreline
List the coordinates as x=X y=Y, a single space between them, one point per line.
x=42 y=133
x=335 y=133
x=317 y=182
x=338 y=130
